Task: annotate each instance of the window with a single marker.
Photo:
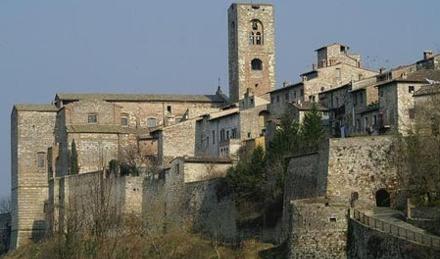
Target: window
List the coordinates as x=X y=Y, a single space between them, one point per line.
x=213 y=137
x=411 y=89
x=272 y=99
x=294 y=94
x=256 y=36
x=41 y=160
x=227 y=134
x=257 y=64
x=169 y=109
x=278 y=98
x=234 y=133
x=412 y=113
x=222 y=135
x=151 y=122
x=381 y=93
x=124 y=119
x=302 y=92
x=286 y=96
x=92 y=118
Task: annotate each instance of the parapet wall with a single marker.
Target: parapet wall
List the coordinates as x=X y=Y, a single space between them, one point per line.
x=368 y=243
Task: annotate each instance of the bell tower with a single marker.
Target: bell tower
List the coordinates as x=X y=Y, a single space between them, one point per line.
x=251 y=50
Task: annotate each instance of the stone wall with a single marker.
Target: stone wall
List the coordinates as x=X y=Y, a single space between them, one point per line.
x=31 y=136
x=179 y=198
x=80 y=197
x=361 y=165
x=318 y=229
x=367 y=243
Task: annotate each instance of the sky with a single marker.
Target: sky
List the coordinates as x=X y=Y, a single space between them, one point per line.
x=175 y=46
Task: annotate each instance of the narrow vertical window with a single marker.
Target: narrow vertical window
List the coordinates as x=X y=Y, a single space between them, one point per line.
x=124 y=119
x=41 y=160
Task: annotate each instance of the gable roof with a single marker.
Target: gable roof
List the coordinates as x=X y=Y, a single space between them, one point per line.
x=140 y=97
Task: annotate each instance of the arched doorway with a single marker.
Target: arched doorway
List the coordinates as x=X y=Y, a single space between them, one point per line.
x=383 y=198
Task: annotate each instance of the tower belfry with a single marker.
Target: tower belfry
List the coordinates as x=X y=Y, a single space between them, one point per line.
x=251 y=49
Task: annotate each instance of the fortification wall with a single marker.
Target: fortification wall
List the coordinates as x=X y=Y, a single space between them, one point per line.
x=361 y=165
x=368 y=243
x=179 y=198
x=81 y=197
x=318 y=229
x=210 y=212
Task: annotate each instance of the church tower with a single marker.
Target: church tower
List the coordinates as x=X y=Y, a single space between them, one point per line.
x=251 y=50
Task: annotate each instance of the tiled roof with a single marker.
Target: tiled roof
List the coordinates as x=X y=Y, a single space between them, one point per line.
x=428 y=90
x=286 y=87
x=140 y=97
x=307 y=106
x=215 y=160
x=420 y=76
x=218 y=115
x=36 y=107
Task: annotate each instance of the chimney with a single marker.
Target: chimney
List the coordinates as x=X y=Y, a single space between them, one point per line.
x=381 y=70
x=285 y=83
x=427 y=54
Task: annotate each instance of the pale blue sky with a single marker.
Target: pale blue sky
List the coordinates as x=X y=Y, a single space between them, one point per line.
x=181 y=46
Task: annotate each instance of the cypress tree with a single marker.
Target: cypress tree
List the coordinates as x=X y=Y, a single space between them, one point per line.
x=74 y=159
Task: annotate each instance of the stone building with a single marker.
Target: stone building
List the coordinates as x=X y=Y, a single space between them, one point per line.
x=102 y=125
x=251 y=49
x=336 y=67
x=222 y=134
x=396 y=102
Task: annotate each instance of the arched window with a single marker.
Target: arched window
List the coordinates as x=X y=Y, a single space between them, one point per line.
x=257 y=64
x=256 y=34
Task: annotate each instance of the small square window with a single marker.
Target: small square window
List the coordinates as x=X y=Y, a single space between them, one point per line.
x=411 y=89
x=92 y=118
x=151 y=122
x=169 y=109
x=124 y=120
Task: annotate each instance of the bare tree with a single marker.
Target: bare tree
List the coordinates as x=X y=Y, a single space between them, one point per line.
x=5 y=205
x=417 y=153
x=135 y=160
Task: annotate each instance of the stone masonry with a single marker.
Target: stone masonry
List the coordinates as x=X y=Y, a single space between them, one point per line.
x=251 y=49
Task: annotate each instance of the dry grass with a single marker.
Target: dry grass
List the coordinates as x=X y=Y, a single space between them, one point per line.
x=170 y=245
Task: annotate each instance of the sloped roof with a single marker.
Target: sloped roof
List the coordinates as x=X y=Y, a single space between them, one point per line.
x=307 y=106
x=36 y=107
x=419 y=76
x=140 y=97
x=428 y=90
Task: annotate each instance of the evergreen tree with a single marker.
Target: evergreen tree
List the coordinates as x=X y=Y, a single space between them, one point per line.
x=312 y=130
x=74 y=169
